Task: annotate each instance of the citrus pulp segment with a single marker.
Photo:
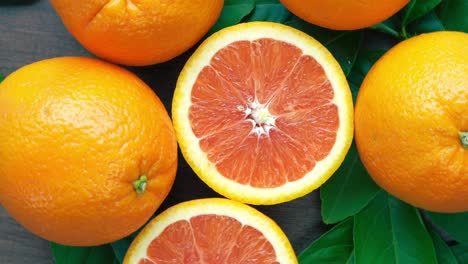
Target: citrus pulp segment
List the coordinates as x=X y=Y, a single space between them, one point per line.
x=211 y=231
x=263 y=113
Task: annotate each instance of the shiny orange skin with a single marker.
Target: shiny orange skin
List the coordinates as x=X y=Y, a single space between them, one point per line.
x=410 y=111
x=344 y=14
x=138 y=32
x=75 y=133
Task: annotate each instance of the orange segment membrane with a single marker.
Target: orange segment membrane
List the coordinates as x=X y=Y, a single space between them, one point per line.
x=210 y=239
x=264 y=112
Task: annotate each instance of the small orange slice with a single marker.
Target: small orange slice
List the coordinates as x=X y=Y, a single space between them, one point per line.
x=211 y=231
x=263 y=113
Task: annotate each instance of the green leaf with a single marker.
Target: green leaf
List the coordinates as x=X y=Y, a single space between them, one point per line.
x=453 y=14
x=449 y=15
x=269 y=10
x=83 y=255
x=390 y=231
x=233 y=12
x=344 y=45
x=346 y=48
x=334 y=247
x=348 y=191
x=365 y=60
x=120 y=248
x=461 y=253
x=454 y=224
x=429 y=23
x=351 y=259
x=236 y=11
x=418 y=8
x=390 y=26
x=323 y=35
x=443 y=252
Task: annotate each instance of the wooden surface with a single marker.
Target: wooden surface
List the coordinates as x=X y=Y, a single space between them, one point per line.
x=29 y=33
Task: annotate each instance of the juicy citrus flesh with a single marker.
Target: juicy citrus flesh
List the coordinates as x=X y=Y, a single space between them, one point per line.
x=76 y=133
x=410 y=111
x=211 y=231
x=296 y=98
x=138 y=32
x=344 y=14
x=263 y=113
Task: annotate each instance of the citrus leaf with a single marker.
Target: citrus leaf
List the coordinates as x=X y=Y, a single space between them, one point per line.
x=323 y=35
x=271 y=10
x=443 y=252
x=387 y=27
x=461 y=253
x=453 y=14
x=429 y=23
x=365 y=60
x=449 y=15
x=83 y=255
x=418 y=8
x=348 y=191
x=454 y=224
x=120 y=248
x=351 y=259
x=344 y=45
x=335 y=246
x=233 y=12
x=390 y=231
x=345 y=49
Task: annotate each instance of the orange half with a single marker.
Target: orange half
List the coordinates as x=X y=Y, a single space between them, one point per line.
x=263 y=113
x=211 y=231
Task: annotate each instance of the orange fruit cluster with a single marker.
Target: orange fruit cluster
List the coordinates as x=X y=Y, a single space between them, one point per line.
x=262 y=112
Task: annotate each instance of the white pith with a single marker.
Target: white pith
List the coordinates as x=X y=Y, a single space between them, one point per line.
x=259 y=115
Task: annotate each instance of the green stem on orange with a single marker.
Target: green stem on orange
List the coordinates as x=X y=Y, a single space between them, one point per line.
x=140 y=184
x=464 y=139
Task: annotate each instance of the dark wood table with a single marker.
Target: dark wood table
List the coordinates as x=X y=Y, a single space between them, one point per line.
x=33 y=32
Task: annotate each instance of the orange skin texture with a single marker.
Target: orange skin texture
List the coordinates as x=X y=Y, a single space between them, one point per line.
x=344 y=14
x=75 y=134
x=409 y=112
x=138 y=32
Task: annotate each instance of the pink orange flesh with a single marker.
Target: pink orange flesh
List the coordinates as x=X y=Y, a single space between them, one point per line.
x=210 y=239
x=264 y=112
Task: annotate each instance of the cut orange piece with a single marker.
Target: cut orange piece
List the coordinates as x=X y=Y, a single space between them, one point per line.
x=211 y=231
x=263 y=113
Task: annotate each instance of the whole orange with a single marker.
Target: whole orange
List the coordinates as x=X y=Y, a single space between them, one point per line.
x=87 y=150
x=344 y=14
x=412 y=121
x=140 y=32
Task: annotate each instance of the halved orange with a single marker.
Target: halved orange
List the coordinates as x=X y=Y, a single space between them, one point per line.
x=211 y=231
x=263 y=113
